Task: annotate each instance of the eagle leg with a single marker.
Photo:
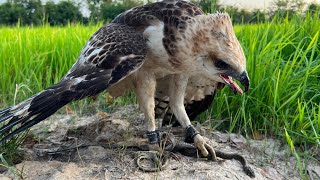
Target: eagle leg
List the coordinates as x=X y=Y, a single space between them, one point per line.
x=145 y=87
x=192 y=135
x=177 y=88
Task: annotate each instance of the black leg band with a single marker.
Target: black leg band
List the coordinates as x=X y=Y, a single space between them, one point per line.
x=153 y=137
x=191 y=132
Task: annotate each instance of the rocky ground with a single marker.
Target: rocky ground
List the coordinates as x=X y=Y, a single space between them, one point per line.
x=72 y=147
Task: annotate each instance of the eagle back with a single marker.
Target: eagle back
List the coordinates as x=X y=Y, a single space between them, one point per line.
x=174 y=14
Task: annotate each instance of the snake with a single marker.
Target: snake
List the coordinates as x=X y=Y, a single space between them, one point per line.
x=171 y=144
x=160 y=161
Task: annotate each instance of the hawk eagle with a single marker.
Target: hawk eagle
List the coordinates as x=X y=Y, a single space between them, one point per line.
x=166 y=51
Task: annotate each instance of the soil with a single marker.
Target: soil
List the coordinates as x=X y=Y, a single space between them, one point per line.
x=72 y=147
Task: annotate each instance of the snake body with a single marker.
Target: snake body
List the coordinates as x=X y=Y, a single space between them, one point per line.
x=246 y=168
x=172 y=145
x=189 y=150
x=161 y=161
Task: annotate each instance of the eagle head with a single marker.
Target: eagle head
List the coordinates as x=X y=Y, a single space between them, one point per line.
x=219 y=55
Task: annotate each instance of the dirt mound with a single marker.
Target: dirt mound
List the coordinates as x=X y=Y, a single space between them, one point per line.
x=72 y=147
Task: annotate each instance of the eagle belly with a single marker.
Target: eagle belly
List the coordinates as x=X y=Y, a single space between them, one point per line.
x=198 y=87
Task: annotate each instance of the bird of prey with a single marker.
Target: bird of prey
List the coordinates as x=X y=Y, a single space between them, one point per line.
x=165 y=51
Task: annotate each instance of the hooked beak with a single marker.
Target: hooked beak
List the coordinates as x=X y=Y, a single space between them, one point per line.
x=244 y=80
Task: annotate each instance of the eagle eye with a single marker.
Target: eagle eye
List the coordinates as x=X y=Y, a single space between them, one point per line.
x=221 y=64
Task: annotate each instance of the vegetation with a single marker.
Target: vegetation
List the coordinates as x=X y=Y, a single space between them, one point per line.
x=102 y=11
x=283 y=61
x=33 y=58
x=33 y=12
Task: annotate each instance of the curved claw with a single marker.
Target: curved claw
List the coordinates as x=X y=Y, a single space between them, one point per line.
x=205 y=149
x=212 y=153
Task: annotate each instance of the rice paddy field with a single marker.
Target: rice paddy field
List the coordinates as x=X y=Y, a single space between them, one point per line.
x=283 y=62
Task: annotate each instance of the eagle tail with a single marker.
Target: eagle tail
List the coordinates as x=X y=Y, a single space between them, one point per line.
x=22 y=116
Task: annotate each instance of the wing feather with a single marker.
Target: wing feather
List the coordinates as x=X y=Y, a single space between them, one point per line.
x=114 y=52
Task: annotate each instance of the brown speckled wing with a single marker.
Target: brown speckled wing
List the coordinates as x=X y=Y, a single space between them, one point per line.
x=172 y=13
x=111 y=54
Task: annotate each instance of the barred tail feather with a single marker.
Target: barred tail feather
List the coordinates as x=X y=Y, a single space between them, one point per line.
x=4 y=111
x=28 y=113
x=40 y=106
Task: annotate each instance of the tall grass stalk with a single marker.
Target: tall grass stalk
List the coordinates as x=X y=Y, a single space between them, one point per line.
x=33 y=58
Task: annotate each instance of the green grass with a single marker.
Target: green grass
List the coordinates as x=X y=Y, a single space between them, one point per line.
x=283 y=61
x=34 y=58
